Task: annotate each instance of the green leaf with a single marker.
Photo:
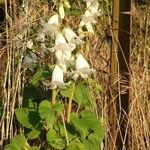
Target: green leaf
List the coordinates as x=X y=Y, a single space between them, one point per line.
x=73 y=11
x=49 y=113
x=22 y=117
x=91 y=144
x=80 y=124
x=40 y=75
x=33 y=134
x=35 y=120
x=58 y=108
x=81 y=94
x=55 y=140
x=66 y=92
x=70 y=129
x=94 y=125
x=89 y=126
x=17 y=143
x=34 y=148
x=28 y=119
x=76 y=146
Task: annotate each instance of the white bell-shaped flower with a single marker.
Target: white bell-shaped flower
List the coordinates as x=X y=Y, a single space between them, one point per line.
x=57 y=78
x=71 y=36
x=91 y=15
x=62 y=49
x=50 y=28
x=61 y=44
x=54 y=20
x=82 y=67
x=87 y=21
x=93 y=7
x=60 y=39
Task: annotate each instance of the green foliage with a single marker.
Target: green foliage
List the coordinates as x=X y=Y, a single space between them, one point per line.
x=39 y=76
x=22 y=117
x=49 y=113
x=33 y=134
x=89 y=126
x=84 y=132
x=17 y=143
x=55 y=140
x=46 y=125
x=27 y=119
x=81 y=95
x=76 y=146
x=73 y=11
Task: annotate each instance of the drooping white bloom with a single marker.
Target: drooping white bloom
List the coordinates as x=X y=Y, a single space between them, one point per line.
x=57 y=78
x=87 y=21
x=50 y=28
x=93 y=7
x=61 y=10
x=91 y=15
x=60 y=39
x=62 y=49
x=54 y=20
x=71 y=36
x=82 y=67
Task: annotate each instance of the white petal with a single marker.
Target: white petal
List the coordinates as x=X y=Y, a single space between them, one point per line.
x=72 y=38
x=59 y=55
x=54 y=20
x=89 y=28
x=57 y=75
x=63 y=55
x=61 y=11
x=93 y=6
x=72 y=46
x=69 y=34
x=63 y=65
x=60 y=39
x=81 y=63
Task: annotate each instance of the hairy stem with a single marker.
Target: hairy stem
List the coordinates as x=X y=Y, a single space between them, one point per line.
x=70 y=103
x=66 y=135
x=54 y=94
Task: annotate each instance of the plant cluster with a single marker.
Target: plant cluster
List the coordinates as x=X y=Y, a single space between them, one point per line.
x=58 y=108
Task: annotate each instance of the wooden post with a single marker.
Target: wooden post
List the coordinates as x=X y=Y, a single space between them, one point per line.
x=124 y=60
x=112 y=117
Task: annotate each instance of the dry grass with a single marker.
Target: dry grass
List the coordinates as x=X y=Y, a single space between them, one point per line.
x=12 y=76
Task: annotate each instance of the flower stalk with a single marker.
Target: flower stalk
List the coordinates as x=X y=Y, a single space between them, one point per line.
x=54 y=94
x=70 y=102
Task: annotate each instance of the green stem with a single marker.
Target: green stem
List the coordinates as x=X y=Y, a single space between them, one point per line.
x=66 y=135
x=70 y=103
x=54 y=94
